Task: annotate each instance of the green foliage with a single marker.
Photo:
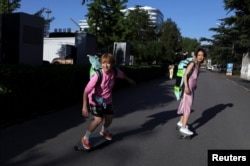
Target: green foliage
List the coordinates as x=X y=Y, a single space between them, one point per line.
x=109 y=24
x=139 y=26
x=170 y=34
x=106 y=21
x=83 y=2
x=232 y=34
x=40 y=13
x=190 y=45
x=35 y=90
x=156 y=51
x=7 y=6
x=171 y=37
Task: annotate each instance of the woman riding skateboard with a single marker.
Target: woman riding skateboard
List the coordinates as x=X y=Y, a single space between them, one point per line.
x=189 y=87
x=98 y=98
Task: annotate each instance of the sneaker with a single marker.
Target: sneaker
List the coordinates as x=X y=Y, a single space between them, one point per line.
x=179 y=125
x=106 y=134
x=186 y=131
x=85 y=143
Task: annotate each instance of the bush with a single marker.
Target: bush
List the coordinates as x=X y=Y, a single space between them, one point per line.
x=27 y=91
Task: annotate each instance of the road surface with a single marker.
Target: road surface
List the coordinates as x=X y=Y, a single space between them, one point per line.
x=144 y=128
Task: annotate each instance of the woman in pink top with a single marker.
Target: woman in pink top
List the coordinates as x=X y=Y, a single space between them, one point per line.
x=190 y=84
x=98 y=98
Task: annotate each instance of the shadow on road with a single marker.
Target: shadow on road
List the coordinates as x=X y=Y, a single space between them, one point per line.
x=31 y=133
x=209 y=114
x=153 y=121
x=150 y=95
x=18 y=138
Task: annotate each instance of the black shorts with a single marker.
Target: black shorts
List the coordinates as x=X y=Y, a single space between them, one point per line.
x=100 y=111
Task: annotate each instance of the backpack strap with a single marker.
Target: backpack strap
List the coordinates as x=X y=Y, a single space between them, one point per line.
x=192 y=70
x=99 y=74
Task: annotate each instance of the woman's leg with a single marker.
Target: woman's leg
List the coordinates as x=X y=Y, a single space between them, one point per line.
x=184 y=120
x=95 y=123
x=107 y=120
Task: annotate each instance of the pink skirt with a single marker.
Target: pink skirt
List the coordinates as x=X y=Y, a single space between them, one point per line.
x=187 y=100
x=185 y=104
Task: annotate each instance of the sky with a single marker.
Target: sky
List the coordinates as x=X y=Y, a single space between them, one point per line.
x=192 y=17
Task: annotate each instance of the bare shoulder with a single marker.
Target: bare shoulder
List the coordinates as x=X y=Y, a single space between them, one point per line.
x=191 y=64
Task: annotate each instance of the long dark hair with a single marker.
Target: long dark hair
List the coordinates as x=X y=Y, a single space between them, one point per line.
x=204 y=52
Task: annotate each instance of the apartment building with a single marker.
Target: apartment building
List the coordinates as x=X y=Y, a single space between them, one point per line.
x=155 y=16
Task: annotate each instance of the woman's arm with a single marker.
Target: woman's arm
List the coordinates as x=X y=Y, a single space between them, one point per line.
x=186 y=74
x=130 y=81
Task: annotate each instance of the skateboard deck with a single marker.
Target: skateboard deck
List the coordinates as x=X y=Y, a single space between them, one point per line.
x=183 y=136
x=95 y=140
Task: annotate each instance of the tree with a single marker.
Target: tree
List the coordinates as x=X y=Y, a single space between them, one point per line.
x=40 y=12
x=139 y=26
x=141 y=35
x=8 y=6
x=241 y=19
x=190 y=45
x=83 y=2
x=156 y=51
x=232 y=34
x=172 y=39
x=106 y=21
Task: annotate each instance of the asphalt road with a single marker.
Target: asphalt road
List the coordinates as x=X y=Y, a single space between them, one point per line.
x=144 y=128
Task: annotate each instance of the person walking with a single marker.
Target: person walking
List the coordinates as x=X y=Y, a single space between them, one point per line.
x=98 y=98
x=190 y=84
x=171 y=71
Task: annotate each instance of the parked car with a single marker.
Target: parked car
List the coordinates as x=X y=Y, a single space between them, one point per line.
x=215 y=68
x=209 y=67
x=62 y=61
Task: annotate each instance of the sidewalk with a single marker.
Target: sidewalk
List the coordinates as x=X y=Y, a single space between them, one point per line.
x=245 y=84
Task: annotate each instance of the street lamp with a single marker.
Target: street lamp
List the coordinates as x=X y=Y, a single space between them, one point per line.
x=48 y=11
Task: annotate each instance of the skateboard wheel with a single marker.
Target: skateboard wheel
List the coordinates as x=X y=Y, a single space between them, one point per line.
x=183 y=137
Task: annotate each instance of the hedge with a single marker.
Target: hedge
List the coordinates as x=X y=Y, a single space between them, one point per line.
x=27 y=91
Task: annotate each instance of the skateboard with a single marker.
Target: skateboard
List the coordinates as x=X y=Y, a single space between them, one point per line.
x=183 y=136
x=95 y=140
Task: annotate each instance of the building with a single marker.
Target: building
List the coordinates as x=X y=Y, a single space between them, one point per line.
x=83 y=24
x=155 y=16
x=22 y=39
x=66 y=49
x=245 y=67
x=56 y=47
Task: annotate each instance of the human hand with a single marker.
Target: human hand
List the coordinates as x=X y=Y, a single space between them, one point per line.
x=132 y=82
x=187 y=90
x=85 y=111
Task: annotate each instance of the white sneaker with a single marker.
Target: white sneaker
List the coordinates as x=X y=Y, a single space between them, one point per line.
x=179 y=125
x=186 y=131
